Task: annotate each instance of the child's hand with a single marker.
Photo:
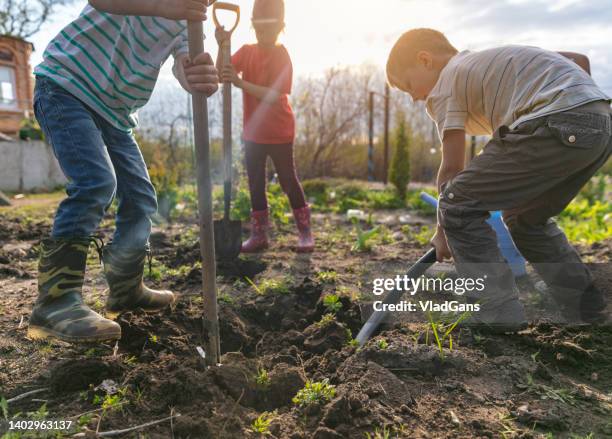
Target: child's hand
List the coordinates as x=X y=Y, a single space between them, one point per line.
x=221 y=35
x=441 y=246
x=228 y=74
x=201 y=75
x=194 y=10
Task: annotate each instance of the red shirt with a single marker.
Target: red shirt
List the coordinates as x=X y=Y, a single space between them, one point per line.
x=268 y=67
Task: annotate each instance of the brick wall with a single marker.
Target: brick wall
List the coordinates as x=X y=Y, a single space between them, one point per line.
x=15 y=54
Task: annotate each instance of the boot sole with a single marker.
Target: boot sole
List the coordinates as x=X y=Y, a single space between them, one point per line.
x=40 y=333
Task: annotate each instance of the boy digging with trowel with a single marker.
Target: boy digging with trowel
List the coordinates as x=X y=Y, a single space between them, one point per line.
x=96 y=73
x=552 y=131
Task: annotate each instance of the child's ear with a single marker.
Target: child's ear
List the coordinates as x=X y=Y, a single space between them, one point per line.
x=425 y=59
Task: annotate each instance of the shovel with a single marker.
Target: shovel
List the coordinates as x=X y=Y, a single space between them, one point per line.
x=395 y=296
x=228 y=232
x=210 y=318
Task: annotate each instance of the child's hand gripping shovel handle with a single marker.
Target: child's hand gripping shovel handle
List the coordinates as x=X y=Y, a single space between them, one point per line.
x=207 y=243
x=226 y=55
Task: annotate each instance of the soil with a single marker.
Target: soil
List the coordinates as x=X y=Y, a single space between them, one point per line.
x=549 y=380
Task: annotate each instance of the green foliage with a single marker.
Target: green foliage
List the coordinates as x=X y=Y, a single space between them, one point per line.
x=327 y=319
x=399 y=171
x=423 y=236
x=262 y=379
x=382 y=344
x=278 y=203
x=319 y=392
x=270 y=286
x=332 y=303
x=4 y=407
x=327 y=276
x=261 y=425
x=30 y=130
x=587 y=222
x=364 y=238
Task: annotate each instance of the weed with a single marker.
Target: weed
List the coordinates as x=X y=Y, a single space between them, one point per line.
x=332 y=303
x=225 y=298
x=442 y=332
x=384 y=434
x=382 y=344
x=153 y=338
x=385 y=237
x=262 y=379
x=261 y=425
x=112 y=402
x=318 y=392
x=363 y=243
x=353 y=342
x=4 y=407
x=270 y=286
x=327 y=319
x=423 y=236
x=507 y=431
x=327 y=276
x=84 y=420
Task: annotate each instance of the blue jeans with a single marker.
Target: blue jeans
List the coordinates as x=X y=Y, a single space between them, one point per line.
x=100 y=162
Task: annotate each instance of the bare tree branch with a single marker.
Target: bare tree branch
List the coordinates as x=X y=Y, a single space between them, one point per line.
x=24 y=18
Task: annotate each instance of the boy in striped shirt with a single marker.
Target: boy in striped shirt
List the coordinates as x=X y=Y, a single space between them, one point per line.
x=551 y=131
x=96 y=73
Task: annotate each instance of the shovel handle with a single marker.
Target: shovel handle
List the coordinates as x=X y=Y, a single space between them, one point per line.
x=226 y=7
x=210 y=316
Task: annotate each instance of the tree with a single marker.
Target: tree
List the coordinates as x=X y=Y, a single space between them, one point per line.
x=23 y=18
x=399 y=173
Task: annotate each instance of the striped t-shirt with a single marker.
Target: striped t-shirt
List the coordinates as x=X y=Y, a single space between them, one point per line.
x=482 y=91
x=111 y=62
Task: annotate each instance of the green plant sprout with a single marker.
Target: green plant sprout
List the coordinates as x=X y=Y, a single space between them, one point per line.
x=332 y=303
x=313 y=393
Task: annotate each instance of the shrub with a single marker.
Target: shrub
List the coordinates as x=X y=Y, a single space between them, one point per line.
x=399 y=172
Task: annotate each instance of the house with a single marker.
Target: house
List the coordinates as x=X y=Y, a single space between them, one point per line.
x=16 y=84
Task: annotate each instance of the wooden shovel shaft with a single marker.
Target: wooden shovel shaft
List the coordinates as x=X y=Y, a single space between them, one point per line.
x=207 y=240
x=227 y=130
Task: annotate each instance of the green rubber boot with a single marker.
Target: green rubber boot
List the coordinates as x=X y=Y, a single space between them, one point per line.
x=124 y=269
x=59 y=311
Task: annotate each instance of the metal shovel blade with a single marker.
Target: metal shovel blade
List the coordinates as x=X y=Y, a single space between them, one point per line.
x=228 y=238
x=395 y=296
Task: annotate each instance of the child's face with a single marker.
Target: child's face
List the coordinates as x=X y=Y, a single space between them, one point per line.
x=419 y=79
x=267 y=33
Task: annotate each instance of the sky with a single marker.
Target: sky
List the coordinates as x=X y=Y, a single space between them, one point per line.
x=328 y=33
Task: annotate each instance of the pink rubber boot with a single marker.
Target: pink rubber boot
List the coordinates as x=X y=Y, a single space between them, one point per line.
x=259 y=232
x=305 y=239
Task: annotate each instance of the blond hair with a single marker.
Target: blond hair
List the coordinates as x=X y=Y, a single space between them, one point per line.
x=403 y=54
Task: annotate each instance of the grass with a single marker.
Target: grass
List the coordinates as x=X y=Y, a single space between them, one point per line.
x=443 y=331
x=315 y=392
x=364 y=241
x=270 y=286
x=327 y=276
